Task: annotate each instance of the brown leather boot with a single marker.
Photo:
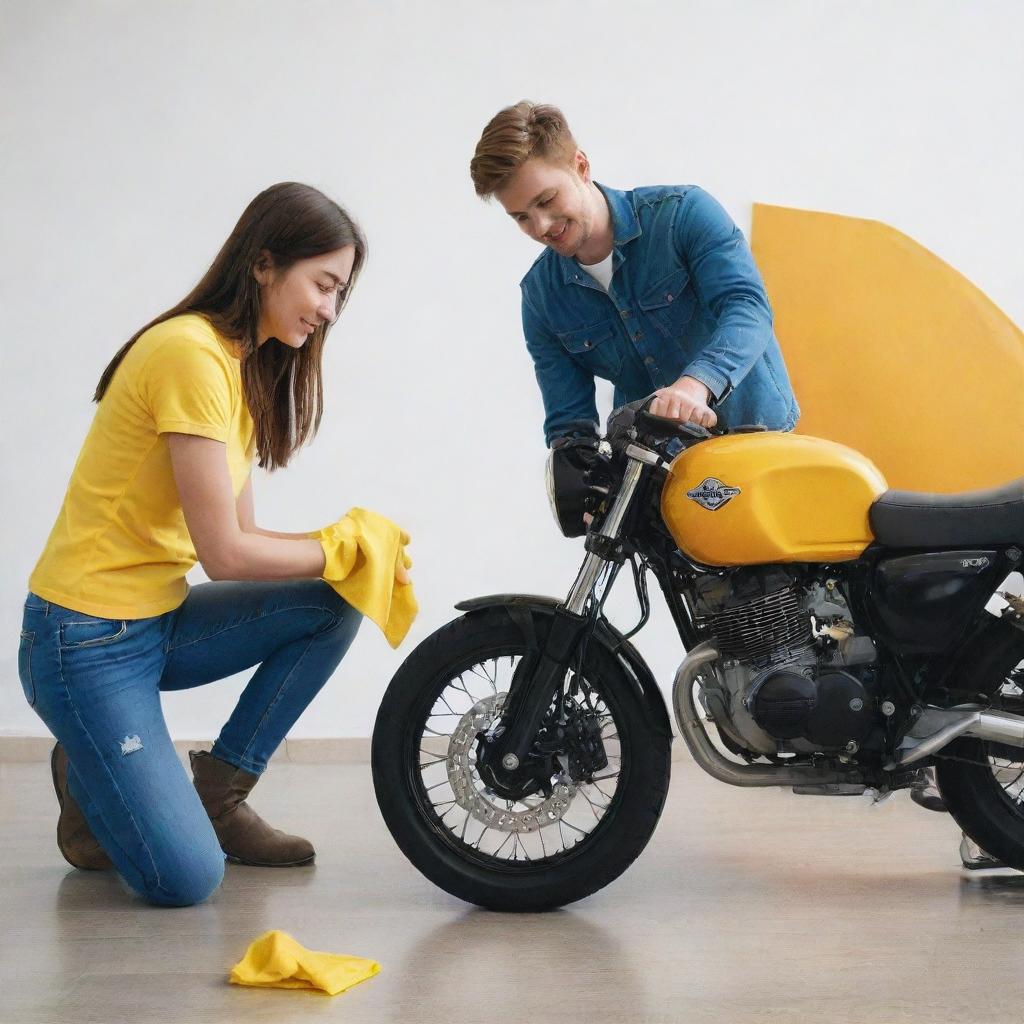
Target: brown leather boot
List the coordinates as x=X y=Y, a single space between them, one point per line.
x=243 y=835
x=74 y=837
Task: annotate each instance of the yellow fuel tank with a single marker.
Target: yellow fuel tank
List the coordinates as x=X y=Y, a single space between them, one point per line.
x=745 y=499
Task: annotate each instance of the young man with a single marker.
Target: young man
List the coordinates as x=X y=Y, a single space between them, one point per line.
x=654 y=289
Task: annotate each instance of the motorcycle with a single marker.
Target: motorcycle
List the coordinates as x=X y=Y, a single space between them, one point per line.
x=838 y=641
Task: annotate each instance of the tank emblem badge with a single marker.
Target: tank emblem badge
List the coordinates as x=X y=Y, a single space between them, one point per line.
x=712 y=494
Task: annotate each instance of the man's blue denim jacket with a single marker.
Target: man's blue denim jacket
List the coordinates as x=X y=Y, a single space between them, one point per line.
x=685 y=298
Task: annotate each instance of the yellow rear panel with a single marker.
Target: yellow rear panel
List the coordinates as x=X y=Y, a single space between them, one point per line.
x=746 y=499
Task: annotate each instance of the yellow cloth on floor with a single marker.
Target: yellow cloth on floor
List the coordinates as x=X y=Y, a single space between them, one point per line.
x=276 y=960
x=362 y=551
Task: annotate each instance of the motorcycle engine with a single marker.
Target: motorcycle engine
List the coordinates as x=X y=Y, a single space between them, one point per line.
x=794 y=676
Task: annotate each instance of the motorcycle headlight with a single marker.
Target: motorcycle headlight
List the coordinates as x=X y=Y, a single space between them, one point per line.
x=576 y=482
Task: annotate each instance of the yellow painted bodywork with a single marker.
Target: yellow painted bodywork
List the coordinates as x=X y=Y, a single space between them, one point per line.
x=892 y=351
x=801 y=499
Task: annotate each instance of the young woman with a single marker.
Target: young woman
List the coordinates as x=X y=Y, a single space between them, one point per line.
x=163 y=479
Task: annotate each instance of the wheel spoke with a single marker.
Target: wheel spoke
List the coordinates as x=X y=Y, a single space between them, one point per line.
x=462 y=686
x=504 y=843
x=593 y=809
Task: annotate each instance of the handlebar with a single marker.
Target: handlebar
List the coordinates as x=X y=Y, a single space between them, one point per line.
x=670 y=427
x=634 y=417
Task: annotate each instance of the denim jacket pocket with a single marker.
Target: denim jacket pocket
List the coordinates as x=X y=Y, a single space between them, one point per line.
x=90 y=632
x=670 y=302
x=25 y=666
x=594 y=347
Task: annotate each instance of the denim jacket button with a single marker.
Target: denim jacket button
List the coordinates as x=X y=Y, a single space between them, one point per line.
x=668 y=298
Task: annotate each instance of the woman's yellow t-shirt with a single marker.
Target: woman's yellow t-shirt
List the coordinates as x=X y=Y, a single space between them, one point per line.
x=120 y=548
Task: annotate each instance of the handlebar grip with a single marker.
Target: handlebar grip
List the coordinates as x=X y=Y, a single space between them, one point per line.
x=663 y=425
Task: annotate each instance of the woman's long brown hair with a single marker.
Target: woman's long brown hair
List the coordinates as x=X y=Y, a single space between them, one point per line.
x=283 y=386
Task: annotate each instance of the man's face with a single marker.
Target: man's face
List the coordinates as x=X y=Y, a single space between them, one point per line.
x=550 y=202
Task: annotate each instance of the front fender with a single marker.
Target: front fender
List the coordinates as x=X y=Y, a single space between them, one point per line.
x=640 y=676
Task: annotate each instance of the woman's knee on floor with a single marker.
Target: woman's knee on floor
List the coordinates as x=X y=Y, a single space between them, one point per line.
x=185 y=863
x=188 y=875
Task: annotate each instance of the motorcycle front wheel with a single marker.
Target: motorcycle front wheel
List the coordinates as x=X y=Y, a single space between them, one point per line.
x=557 y=845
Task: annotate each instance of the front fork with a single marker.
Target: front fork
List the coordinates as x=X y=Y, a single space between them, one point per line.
x=503 y=755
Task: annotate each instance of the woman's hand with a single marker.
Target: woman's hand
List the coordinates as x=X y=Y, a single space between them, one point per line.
x=404 y=563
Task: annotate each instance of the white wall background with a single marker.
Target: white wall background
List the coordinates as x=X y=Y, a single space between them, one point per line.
x=133 y=134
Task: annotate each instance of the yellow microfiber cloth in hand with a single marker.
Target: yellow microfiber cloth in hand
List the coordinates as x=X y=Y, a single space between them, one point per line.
x=276 y=960
x=362 y=551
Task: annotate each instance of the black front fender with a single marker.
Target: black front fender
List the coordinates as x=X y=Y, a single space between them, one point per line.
x=640 y=676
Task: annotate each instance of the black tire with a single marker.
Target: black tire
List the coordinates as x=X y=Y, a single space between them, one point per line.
x=617 y=838
x=989 y=809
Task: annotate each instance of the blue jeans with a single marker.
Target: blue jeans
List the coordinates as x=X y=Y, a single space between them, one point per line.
x=96 y=684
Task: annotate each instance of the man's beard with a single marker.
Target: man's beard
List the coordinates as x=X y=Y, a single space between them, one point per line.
x=581 y=227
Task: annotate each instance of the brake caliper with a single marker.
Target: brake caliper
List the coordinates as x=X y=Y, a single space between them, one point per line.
x=585 y=746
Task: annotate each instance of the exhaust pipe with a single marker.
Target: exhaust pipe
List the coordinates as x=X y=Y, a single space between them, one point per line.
x=936 y=727
x=715 y=763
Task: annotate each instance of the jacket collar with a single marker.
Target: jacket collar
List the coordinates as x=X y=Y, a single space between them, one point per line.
x=625 y=227
x=624 y=219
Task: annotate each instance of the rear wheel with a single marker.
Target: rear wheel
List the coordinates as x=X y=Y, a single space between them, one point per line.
x=594 y=813
x=982 y=783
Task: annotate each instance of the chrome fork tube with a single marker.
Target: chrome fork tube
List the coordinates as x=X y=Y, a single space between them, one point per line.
x=591 y=569
x=610 y=527
x=585 y=582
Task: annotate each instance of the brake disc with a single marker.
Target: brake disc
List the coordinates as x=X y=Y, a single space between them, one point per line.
x=488 y=807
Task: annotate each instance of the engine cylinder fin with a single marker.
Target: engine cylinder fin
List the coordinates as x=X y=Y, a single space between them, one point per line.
x=765 y=630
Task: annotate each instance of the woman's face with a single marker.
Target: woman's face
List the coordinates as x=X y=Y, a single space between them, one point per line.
x=295 y=302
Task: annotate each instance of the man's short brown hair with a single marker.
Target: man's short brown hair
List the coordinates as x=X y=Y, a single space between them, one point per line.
x=514 y=135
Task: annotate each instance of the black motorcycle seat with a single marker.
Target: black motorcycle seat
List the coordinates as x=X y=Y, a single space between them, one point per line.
x=908 y=519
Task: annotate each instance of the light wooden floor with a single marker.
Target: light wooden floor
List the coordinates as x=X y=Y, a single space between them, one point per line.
x=747 y=906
